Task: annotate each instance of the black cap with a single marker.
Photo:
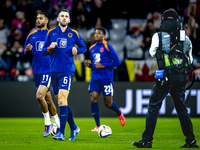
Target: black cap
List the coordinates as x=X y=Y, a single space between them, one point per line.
x=169 y=15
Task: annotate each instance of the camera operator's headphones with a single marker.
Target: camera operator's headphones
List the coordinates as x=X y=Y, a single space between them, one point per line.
x=169 y=15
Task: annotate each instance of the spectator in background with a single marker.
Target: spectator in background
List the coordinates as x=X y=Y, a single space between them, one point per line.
x=134 y=44
x=99 y=10
x=18 y=22
x=194 y=30
x=7 y=12
x=60 y=4
x=148 y=33
x=150 y=28
x=156 y=16
x=87 y=5
x=194 y=34
x=17 y=35
x=179 y=5
x=4 y=32
x=192 y=11
x=79 y=15
x=5 y=62
x=43 y=5
x=97 y=24
x=17 y=61
x=26 y=6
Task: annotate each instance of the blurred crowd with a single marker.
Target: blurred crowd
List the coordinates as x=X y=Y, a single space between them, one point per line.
x=130 y=26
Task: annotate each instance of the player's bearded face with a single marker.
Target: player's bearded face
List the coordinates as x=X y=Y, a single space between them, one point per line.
x=40 y=25
x=63 y=19
x=40 y=22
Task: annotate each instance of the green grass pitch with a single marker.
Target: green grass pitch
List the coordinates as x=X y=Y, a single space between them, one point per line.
x=27 y=134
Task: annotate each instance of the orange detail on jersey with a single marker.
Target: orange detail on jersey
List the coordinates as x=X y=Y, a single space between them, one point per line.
x=76 y=33
x=31 y=33
x=70 y=35
x=92 y=46
x=103 y=66
x=25 y=51
x=101 y=49
x=105 y=44
x=49 y=31
x=48 y=48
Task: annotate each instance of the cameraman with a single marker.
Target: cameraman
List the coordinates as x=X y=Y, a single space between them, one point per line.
x=170 y=78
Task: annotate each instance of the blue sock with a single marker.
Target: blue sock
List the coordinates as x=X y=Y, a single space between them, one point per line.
x=115 y=108
x=63 y=118
x=95 y=113
x=71 y=119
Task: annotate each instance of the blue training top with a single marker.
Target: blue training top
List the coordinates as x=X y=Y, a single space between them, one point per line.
x=61 y=56
x=40 y=63
x=104 y=53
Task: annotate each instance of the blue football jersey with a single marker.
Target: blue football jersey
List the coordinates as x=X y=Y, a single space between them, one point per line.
x=40 y=63
x=103 y=53
x=61 y=56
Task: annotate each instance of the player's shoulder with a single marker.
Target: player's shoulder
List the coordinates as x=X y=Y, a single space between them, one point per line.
x=91 y=46
x=51 y=30
x=107 y=45
x=75 y=32
x=31 y=33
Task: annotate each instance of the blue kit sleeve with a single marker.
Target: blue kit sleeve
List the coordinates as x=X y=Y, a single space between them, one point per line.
x=115 y=59
x=82 y=47
x=46 y=49
x=24 y=49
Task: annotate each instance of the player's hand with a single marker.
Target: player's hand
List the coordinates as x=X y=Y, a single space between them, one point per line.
x=98 y=64
x=53 y=45
x=74 y=51
x=29 y=47
x=86 y=63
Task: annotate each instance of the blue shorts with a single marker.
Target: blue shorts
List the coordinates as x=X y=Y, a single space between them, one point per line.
x=61 y=80
x=106 y=86
x=42 y=79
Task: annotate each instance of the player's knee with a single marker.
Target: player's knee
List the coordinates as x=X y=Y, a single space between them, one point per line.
x=62 y=102
x=93 y=99
x=39 y=96
x=108 y=104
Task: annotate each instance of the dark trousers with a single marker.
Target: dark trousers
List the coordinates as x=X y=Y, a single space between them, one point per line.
x=178 y=94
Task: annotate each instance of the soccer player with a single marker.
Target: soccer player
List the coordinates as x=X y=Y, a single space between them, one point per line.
x=103 y=58
x=60 y=45
x=41 y=71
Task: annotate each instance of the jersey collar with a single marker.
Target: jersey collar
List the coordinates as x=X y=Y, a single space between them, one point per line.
x=59 y=29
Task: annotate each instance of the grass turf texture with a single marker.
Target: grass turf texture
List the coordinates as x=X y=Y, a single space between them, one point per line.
x=27 y=133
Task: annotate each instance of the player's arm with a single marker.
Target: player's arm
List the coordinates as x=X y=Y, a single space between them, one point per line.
x=48 y=46
x=45 y=48
x=115 y=59
x=27 y=47
x=81 y=45
x=87 y=63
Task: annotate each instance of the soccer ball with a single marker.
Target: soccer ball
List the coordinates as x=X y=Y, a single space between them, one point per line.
x=104 y=131
x=54 y=130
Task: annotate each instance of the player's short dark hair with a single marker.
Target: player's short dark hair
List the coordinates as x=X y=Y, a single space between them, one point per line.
x=102 y=29
x=64 y=10
x=45 y=14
